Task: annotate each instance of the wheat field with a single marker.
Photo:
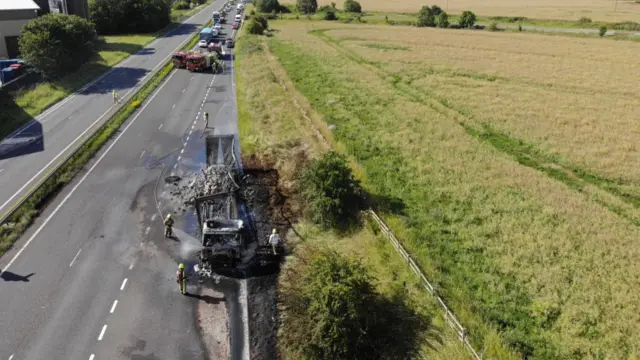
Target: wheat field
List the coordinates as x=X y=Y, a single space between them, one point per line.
x=599 y=10
x=513 y=245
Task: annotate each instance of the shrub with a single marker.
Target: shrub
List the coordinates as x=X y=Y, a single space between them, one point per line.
x=426 y=17
x=467 y=19
x=436 y=10
x=603 y=31
x=443 y=20
x=332 y=195
x=493 y=26
x=584 y=20
x=520 y=27
x=333 y=5
x=180 y=5
x=332 y=311
x=57 y=44
x=267 y=6
x=307 y=6
x=255 y=27
x=263 y=21
x=352 y=6
x=330 y=15
x=129 y=16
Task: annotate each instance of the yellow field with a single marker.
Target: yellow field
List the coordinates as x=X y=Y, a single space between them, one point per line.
x=534 y=234
x=602 y=10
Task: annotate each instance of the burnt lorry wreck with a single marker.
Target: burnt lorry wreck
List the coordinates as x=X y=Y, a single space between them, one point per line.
x=228 y=246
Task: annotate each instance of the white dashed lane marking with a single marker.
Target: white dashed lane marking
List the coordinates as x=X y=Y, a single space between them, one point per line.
x=124 y=282
x=141 y=155
x=74 y=258
x=160 y=127
x=113 y=307
x=104 y=328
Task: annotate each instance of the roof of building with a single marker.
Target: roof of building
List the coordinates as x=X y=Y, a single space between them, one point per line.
x=18 y=5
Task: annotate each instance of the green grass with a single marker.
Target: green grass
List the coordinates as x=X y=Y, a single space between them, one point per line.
x=24 y=215
x=22 y=105
x=279 y=132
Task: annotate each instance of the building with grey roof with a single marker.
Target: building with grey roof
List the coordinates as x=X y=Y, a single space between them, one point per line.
x=13 y=15
x=70 y=7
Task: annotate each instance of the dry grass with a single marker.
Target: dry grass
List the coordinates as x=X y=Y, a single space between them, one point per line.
x=507 y=241
x=601 y=10
x=272 y=125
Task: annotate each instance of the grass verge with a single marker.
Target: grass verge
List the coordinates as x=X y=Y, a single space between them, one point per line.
x=22 y=217
x=283 y=136
x=22 y=105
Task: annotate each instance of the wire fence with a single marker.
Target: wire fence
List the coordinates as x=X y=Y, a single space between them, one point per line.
x=450 y=318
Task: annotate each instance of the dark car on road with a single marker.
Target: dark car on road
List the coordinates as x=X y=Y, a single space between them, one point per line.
x=229 y=42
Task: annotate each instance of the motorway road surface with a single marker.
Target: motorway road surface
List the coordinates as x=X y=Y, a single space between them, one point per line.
x=94 y=278
x=30 y=151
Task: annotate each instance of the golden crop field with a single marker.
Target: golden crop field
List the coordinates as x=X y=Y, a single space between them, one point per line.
x=514 y=156
x=600 y=10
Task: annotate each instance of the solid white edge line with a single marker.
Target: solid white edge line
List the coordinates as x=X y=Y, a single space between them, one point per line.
x=245 y=318
x=113 y=307
x=104 y=328
x=64 y=201
x=124 y=282
x=74 y=258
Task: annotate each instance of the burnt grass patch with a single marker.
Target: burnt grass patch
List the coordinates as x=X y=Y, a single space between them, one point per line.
x=267 y=208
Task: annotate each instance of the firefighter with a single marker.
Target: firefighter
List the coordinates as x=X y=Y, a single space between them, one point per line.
x=274 y=240
x=116 y=98
x=182 y=279
x=168 y=224
x=206 y=120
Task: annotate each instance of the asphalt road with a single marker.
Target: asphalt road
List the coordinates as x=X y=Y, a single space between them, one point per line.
x=26 y=155
x=94 y=278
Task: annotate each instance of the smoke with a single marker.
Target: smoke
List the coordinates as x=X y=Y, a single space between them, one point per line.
x=189 y=245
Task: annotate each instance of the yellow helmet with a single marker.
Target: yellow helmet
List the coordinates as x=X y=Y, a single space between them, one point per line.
x=181 y=266
x=275 y=231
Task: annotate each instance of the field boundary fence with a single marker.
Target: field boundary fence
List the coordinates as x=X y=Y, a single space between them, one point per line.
x=449 y=316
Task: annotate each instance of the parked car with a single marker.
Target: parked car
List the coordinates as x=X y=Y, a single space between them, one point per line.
x=229 y=42
x=203 y=43
x=217 y=26
x=235 y=26
x=238 y=17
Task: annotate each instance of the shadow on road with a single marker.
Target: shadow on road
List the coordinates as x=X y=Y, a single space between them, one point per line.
x=9 y=276
x=185 y=29
x=120 y=78
x=27 y=141
x=206 y=298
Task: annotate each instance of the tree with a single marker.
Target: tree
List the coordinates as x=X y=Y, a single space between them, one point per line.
x=129 y=16
x=436 y=10
x=180 y=5
x=332 y=311
x=352 y=6
x=332 y=195
x=263 y=21
x=267 y=6
x=467 y=19
x=426 y=17
x=307 y=6
x=57 y=44
x=332 y=306
x=443 y=20
x=255 y=27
